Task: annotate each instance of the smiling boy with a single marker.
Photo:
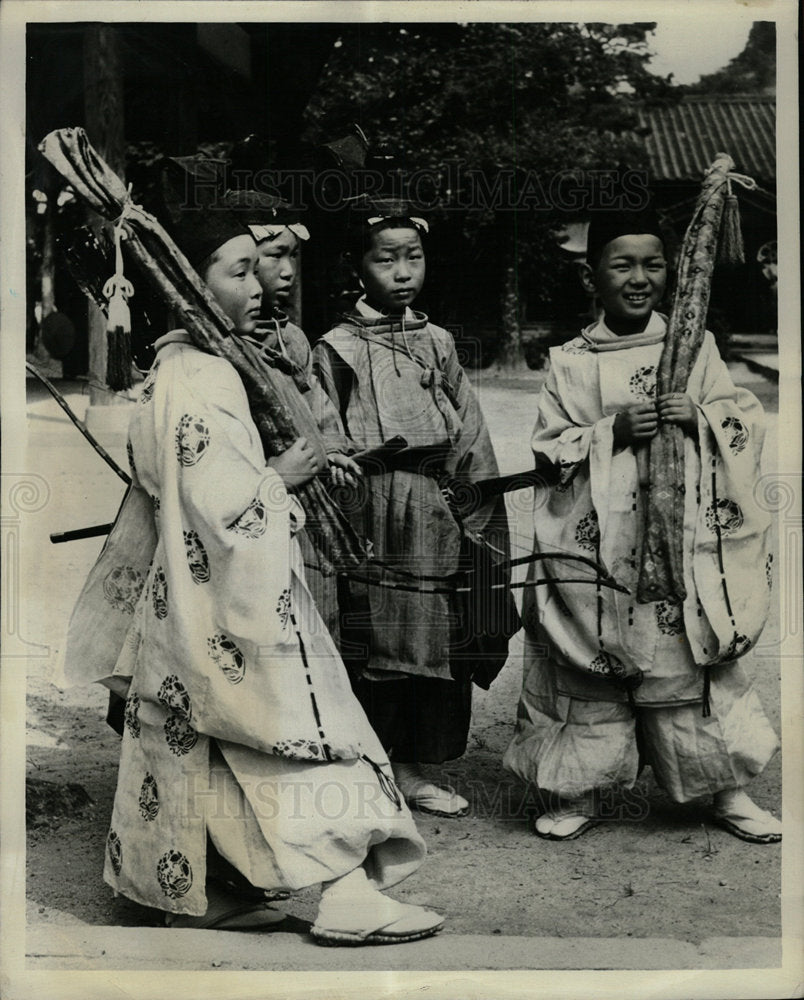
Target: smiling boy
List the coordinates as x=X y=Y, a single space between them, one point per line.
x=610 y=683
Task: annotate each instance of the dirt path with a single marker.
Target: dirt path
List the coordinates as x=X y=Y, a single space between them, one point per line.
x=665 y=873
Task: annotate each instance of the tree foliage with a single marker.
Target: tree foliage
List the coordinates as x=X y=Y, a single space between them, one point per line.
x=752 y=71
x=523 y=108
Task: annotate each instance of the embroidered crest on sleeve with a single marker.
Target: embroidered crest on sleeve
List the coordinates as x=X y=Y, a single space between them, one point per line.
x=175 y=697
x=159 y=593
x=300 y=749
x=725 y=515
x=192 y=440
x=180 y=735
x=174 y=874
x=251 y=522
x=608 y=664
x=643 y=382
x=587 y=531
x=283 y=607
x=149 y=798
x=228 y=657
x=122 y=587
x=131 y=715
x=115 y=851
x=197 y=558
x=669 y=617
x=737 y=434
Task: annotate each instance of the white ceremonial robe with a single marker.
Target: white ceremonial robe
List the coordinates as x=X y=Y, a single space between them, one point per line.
x=585 y=644
x=197 y=610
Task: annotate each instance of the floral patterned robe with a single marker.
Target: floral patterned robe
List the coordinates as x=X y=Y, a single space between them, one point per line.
x=598 y=639
x=198 y=612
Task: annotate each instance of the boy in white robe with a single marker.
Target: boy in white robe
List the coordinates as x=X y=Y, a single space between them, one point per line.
x=610 y=683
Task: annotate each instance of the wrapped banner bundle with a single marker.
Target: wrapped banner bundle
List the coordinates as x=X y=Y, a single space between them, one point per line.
x=276 y=407
x=661 y=574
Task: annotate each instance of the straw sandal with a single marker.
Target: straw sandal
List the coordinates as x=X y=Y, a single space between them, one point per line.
x=427 y=797
x=386 y=921
x=563 y=826
x=569 y=820
x=743 y=818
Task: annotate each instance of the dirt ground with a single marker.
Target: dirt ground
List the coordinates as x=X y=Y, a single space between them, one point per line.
x=660 y=871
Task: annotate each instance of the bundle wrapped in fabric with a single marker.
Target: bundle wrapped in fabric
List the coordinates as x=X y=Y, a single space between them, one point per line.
x=278 y=410
x=661 y=574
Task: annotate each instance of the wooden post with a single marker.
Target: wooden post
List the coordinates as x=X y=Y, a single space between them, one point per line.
x=511 y=352
x=48 y=293
x=103 y=109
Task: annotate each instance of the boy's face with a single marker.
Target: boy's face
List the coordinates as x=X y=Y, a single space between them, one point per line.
x=232 y=279
x=392 y=270
x=278 y=267
x=629 y=279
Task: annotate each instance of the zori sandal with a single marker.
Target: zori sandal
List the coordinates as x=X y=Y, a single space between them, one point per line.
x=427 y=797
x=736 y=812
x=563 y=826
x=373 y=921
x=568 y=820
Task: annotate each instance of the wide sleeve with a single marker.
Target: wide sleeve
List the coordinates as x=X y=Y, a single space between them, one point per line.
x=728 y=551
x=565 y=439
x=473 y=458
x=104 y=619
x=324 y=409
x=334 y=378
x=219 y=644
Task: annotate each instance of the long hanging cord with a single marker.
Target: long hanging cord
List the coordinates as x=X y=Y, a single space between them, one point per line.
x=387 y=784
x=117 y=291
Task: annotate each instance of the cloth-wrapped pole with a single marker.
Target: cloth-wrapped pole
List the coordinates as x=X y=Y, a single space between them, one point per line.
x=661 y=575
x=279 y=412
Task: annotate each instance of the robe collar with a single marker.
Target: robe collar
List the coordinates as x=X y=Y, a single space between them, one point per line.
x=369 y=312
x=172 y=337
x=601 y=338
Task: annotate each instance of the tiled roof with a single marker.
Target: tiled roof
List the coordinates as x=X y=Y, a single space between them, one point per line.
x=682 y=140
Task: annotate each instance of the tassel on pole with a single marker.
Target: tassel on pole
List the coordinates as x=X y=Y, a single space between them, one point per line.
x=731 y=249
x=118 y=290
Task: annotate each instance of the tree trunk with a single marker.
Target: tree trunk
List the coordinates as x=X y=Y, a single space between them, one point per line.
x=47 y=292
x=511 y=353
x=47 y=287
x=103 y=109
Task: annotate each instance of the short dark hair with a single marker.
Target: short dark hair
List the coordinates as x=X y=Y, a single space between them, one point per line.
x=207 y=263
x=607 y=226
